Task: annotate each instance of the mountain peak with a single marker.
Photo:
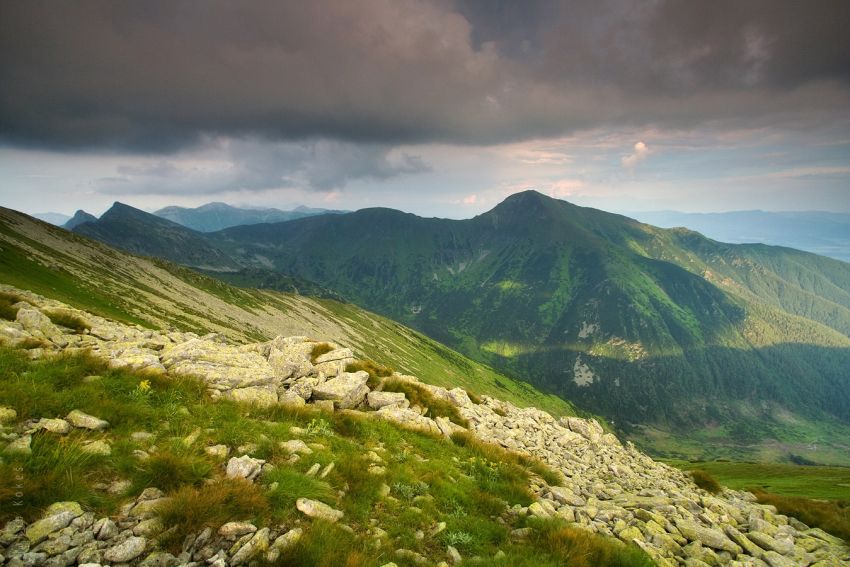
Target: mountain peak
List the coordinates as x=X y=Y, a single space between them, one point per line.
x=79 y=218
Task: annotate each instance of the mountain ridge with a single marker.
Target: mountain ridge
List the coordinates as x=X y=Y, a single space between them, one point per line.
x=637 y=323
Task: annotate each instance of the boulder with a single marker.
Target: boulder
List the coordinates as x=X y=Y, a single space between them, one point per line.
x=127 y=550
x=224 y=367
x=21 y=445
x=244 y=467
x=86 y=421
x=709 y=537
x=233 y=530
x=334 y=363
x=408 y=418
x=57 y=517
x=316 y=509
x=377 y=400
x=58 y=426
x=295 y=446
x=37 y=323
x=260 y=396
x=258 y=544
x=346 y=391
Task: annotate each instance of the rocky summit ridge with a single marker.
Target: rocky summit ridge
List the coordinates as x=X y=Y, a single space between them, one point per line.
x=605 y=487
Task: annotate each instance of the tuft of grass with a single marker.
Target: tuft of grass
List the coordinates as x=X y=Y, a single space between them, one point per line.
x=705 y=481
x=290 y=485
x=192 y=508
x=169 y=470
x=419 y=396
x=314 y=549
x=474 y=398
x=318 y=350
x=57 y=470
x=7 y=300
x=69 y=320
x=376 y=371
x=831 y=516
x=580 y=548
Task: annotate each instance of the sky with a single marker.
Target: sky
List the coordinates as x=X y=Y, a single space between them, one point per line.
x=437 y=107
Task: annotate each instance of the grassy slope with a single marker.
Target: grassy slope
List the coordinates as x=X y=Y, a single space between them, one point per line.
x=89 y=275
x=465 y=484
x=832 y=483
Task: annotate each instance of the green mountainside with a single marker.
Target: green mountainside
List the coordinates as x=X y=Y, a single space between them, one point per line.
x=157 y=294
x=689 y=345
x=217 y=216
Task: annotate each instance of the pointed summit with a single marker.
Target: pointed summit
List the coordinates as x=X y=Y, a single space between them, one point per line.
x=79 y=218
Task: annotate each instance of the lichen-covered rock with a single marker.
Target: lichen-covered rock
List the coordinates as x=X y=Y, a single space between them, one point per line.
x=258 y=544
x=245 y=467
x=222 y=367
x=37 y=323
x=346 y=390
x=85 y=421
x=295 y=446
x=408 y=418
x=58 y=426
x=127 y=550
x=378 y=400
x=233 y=530
x=260 y=396
x=56 y=517
x=316 y=509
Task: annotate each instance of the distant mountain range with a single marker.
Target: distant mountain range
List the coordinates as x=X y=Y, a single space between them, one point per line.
x=57 y=219
x=217 y=216
x=827 y=234
x=660 y=330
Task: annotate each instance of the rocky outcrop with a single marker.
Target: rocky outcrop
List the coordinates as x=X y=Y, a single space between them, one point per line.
x=606 y=487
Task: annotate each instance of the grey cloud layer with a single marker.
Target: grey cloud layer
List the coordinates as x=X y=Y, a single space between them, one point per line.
x=160 y=75
x=242 y=165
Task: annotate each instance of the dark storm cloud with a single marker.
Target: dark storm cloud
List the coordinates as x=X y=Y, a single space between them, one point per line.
x=160 y=75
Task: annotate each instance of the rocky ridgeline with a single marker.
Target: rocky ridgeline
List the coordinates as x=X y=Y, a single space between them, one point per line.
x=606 y=488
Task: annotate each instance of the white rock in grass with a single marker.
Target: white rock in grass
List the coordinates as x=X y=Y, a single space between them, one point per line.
x=59 y=426
x=86 y=421
x=316 y=509
x=126 y=551
x=244 y=467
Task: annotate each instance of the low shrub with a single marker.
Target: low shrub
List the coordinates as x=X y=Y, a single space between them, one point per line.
x=192 y=508
x=169 y=470
x=705 y=481
x=376 y=371
x=7 y=300
x=68 y=320
x=328 y=545
x=831 y=516
x=418 y=395
x=581 y=548
x=318 y=350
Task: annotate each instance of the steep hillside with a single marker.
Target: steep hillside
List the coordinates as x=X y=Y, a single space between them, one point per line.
x=124 y=446
x=153 y=293
x=824 y=233
x=217 y=216
x=662 y=331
